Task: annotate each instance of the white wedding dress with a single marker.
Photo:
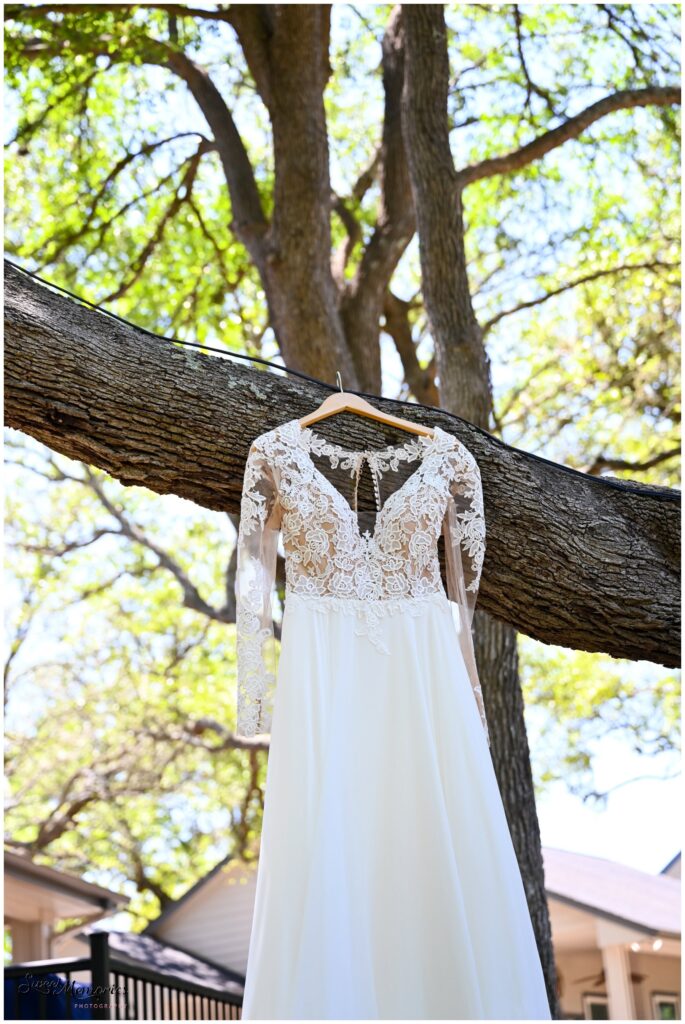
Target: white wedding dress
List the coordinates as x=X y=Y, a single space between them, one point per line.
x=388 y=885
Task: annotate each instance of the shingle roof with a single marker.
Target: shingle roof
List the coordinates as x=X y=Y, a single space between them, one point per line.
x=172 y=960
x=615 y=891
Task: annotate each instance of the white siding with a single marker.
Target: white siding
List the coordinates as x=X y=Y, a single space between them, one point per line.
x=216 y=922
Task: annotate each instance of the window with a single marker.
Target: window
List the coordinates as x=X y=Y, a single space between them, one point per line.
x=665 y=1006
x=595 y=1007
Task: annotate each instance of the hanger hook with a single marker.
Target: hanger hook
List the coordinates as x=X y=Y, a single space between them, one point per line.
x=339 y=379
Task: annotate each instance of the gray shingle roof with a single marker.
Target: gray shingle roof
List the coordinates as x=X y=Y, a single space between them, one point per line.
x=172 y=960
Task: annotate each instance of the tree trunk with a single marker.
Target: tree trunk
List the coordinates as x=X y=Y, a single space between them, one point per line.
x=497 y=657
x=465 y=389
x=322 y=324
x=303 y=298
x=462 y=364
x=583 y=561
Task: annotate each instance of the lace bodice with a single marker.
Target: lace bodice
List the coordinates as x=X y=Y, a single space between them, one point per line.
x=331 y=562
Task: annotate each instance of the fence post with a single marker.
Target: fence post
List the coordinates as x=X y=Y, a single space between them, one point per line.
x=99 y=970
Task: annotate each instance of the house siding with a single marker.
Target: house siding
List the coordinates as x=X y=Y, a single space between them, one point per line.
x=216 y=924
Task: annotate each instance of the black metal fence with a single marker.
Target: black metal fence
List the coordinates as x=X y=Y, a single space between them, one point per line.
x=117 y=990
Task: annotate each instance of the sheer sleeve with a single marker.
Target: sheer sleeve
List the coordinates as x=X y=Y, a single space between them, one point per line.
x=464 y=532
x=255 y=574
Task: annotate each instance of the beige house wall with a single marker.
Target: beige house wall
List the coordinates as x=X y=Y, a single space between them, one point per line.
x=572 y=967
x=662 y=975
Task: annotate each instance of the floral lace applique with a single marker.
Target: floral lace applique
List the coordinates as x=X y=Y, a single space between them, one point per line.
x=327 y=557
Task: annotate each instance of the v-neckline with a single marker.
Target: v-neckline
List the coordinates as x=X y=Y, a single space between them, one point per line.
x=305 y=436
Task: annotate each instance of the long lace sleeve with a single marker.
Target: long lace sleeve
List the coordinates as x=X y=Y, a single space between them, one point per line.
x=464 y=532
x=255 y=573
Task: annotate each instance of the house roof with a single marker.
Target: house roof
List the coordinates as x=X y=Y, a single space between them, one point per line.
x=171 y=959
x=614 y=891
x=20 y=865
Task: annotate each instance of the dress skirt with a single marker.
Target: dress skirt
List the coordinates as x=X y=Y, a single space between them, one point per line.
x=388 y=886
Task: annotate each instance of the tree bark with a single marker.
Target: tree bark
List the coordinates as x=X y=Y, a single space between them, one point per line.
x=586 y=562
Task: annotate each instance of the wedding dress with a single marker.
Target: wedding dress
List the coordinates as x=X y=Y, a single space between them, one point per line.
x=388 y=885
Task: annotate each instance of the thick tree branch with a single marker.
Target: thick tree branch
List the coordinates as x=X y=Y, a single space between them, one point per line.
x=396 y=222
x=571 y=559
x=249 y=222
x=254 y=26
x=572 y=127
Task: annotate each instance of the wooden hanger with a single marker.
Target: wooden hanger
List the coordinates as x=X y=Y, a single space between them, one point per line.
x=345 y=401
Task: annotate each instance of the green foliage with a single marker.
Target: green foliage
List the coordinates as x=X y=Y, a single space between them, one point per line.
x=120 y=699
x=588 y=697
x=109 y=194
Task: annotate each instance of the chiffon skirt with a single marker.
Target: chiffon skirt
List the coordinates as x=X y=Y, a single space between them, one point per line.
x=387 y=886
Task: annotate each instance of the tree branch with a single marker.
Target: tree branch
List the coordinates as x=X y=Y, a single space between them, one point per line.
x=286 y=49
x=531 y=86
x=572 y=559
x=185 y=187
x=396 y=223
x=249 y=221
x=462 y=362
x=348 y=219
x=19 y=12
x=660 y=96
x=353 y=236
x=421 y=381
x=576 y=283
x=602 y=462
x=254 y=27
